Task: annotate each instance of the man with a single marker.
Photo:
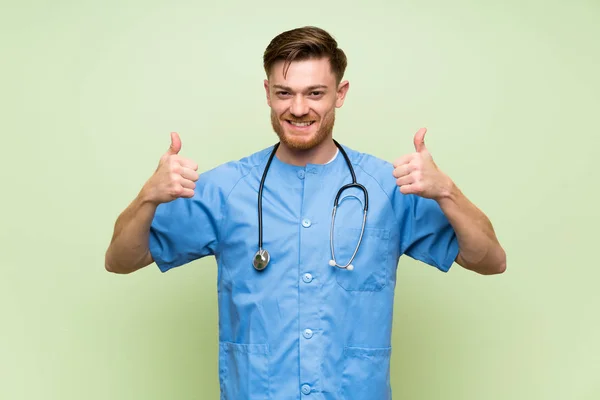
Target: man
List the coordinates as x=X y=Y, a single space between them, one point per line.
x=312 y=317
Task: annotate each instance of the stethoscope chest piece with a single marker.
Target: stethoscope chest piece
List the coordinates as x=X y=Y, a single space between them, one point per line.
x=261 y=259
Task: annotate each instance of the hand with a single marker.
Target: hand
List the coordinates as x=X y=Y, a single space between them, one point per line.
x=174 y=177
x=416 y=173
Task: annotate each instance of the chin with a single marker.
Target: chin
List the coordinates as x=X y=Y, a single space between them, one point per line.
x=301 y=141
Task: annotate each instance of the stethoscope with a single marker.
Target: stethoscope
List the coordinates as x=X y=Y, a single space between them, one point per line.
x=262 y=256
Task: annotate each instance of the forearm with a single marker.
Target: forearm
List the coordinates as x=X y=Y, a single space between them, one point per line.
x=479 y=249
x=128 y=250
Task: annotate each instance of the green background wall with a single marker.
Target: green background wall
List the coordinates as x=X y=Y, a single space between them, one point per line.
x=509 y=92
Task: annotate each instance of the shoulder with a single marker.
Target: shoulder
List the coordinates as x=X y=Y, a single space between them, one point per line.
x=224 y=177
x=377 y=169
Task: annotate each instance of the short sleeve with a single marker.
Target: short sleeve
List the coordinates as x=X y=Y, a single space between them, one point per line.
x=425 y=232
x=186 y=229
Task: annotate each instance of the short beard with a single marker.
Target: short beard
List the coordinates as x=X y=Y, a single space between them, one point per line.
x=293 y=143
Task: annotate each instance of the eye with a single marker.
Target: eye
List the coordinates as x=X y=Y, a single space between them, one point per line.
x=281 y=93
x=316 y=93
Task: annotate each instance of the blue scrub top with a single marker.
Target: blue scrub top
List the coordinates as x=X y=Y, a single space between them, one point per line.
x=302 y=328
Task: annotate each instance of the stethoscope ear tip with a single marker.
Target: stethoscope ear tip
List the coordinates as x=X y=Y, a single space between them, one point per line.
x=350 y=267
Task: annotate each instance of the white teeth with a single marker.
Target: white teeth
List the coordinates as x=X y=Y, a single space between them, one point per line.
x=300 y=123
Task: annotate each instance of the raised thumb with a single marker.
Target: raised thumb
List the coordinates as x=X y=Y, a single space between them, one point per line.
x=175 y=143
x=419 y=140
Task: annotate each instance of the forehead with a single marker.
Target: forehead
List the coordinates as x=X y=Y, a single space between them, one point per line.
x=303 y=73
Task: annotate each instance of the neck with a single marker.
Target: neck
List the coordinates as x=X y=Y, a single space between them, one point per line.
x=319 y=154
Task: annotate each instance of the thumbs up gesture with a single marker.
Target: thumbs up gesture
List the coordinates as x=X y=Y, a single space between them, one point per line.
x=416 y=173
x=174 y=177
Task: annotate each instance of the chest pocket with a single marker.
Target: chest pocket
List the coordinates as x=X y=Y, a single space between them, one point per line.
x=370 y=271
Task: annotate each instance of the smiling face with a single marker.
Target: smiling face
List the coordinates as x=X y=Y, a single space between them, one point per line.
x=303 y=102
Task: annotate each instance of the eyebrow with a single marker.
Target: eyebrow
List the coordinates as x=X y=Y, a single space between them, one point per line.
x=310 y=88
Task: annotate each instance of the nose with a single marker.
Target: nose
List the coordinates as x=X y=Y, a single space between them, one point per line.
x=299 y=107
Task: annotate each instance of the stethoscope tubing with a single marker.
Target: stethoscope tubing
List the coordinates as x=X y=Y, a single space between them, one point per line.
x=262 y=257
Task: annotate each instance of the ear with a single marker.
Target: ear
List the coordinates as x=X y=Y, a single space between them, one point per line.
x=341 y=93
x=268 y=92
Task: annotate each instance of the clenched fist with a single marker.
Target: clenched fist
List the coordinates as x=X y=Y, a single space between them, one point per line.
x=174 y=177
x=416 y=173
